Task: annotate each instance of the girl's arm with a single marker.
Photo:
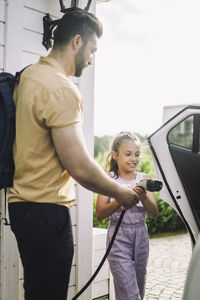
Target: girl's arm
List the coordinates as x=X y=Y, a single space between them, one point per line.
x=150 y=204
x=104 y=209
x=148 y=200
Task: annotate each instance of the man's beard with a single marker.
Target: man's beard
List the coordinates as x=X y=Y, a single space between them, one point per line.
x=79 y=62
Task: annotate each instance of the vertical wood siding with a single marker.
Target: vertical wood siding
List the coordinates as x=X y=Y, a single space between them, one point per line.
x=21 y=30
x=2 y=27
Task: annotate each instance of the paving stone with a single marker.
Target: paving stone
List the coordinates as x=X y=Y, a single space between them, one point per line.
x=167 y=267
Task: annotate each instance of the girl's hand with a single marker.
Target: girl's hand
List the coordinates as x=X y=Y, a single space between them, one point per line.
x=140 y=192
x=148 y=200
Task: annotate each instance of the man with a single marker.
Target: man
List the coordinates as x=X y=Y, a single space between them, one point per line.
x=49 y=151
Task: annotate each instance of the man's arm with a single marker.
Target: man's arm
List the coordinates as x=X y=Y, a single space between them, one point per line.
x=72 y=151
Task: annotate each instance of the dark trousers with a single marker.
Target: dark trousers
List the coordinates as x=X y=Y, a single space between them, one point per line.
x=45 y=242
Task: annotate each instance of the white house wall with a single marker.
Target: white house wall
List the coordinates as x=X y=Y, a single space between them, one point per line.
x=21 y=29
x=8 y=259
x=2 y=26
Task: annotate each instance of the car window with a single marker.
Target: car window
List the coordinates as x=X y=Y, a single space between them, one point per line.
x=184 y=146
x=182 y=134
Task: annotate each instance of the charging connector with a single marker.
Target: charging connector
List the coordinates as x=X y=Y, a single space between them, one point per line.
x=150 y=185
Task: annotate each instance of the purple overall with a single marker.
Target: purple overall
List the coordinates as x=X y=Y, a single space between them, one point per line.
x=129 y=254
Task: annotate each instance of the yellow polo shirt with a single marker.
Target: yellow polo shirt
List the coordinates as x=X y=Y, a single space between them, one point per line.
x=45 y=98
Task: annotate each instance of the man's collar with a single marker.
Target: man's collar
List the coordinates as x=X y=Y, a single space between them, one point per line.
x=52 y=62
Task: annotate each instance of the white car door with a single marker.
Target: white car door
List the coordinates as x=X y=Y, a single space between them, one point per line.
x=176 y=153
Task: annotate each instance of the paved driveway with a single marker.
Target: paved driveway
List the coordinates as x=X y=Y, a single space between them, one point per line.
x=167 y=267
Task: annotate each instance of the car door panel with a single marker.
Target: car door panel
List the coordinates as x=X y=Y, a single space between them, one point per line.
x=175 y=150
x=192 y=286
x=188 y=168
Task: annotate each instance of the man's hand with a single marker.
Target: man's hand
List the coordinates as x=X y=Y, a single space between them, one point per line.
x=72 y=151
x=127 y=197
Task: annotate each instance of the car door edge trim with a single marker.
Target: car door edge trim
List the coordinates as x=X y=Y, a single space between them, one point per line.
x=170 y=192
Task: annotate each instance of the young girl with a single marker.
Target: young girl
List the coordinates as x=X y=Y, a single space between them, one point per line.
x=129 y=254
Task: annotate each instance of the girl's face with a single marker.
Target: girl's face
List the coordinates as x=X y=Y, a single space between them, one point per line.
x=128 y=156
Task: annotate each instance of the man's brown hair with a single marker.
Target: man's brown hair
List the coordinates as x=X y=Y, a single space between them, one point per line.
x=76 y=21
